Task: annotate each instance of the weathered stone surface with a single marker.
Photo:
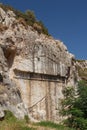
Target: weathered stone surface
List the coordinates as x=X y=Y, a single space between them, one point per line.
x=10 y=99
x=1 y=114
x=81 y=66
x=37 y=66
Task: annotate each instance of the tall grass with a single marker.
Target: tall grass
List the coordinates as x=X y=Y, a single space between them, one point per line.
x=53 y=125
x=10 y=122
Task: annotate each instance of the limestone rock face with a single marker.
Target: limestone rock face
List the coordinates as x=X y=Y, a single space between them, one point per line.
x=81 y=66
x=37 y=66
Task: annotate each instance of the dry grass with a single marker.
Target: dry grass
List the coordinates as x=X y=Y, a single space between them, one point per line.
x=37 y=27
x=14 y=126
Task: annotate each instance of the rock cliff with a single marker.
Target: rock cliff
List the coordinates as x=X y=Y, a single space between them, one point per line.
x=34 y=69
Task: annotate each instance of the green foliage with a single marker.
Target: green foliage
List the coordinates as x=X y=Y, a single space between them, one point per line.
x=9 y=116
x=31 y=19
x=82 y=99
x=6 y=7
x=53 y=125
x=68 y=101
x=10 y=122
x=26 y=128
x=26 y=118
x=75 y=108
x=44 y=29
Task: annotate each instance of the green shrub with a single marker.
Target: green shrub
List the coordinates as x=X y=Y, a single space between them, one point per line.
x=31 y=18
x=44 y=29
x=26 y=118
x=76 y=111
x=9 y=116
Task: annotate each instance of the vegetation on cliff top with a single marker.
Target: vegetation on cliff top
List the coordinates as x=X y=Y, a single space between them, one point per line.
x=28 y=18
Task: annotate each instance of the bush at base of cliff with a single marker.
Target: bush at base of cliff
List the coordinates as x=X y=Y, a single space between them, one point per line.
x=77 y=122
x=75 y=107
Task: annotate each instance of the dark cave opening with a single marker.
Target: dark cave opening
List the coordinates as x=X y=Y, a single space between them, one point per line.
x=9 y=53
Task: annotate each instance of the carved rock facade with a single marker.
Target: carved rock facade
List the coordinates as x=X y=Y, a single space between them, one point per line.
x=37 y=65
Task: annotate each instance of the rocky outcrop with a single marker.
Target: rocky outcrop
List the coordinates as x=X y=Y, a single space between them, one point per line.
x=81 y=66
x=10 y=100
x=34 y=65
x=10 y=97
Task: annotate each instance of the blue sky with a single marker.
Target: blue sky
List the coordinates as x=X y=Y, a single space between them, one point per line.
x=66 y=20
